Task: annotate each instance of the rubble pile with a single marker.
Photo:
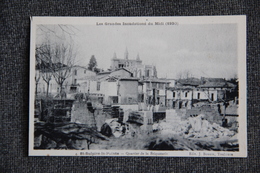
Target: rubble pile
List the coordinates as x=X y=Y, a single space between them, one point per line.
x=114 y=128
x=194 y=127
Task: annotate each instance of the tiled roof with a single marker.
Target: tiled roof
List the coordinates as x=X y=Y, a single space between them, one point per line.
x=155 y=80
x=190 y=81
x=214 y=85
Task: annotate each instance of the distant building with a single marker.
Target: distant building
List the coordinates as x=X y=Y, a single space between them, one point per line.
x=115 y=90
x=72 y=84
x=134 y=65
x=119 y=72
x=155 y=91
x=189 y=91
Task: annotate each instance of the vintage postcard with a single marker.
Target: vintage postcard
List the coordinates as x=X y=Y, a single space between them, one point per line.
x=138 y=86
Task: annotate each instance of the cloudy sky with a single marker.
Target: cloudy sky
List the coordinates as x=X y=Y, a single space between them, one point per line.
x=208 y=50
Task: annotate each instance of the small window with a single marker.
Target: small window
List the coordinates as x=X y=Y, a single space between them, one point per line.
x=75 y=72
x=98 y=86
x=147 y=73
x=75 y=81
x=85 y=71
x=212 y=96
x=198 y=95
x=186 y=94
x=148 y=85
x=161 y=85
x=173 y=94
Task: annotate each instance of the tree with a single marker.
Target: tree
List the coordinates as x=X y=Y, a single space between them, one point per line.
x=63 y=62
x=44 y=63
x=186 y=74
x=37 y=79
x=56 y=52
x=92 y=63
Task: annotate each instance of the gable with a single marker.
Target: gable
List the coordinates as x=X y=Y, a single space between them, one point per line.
x=121 y=73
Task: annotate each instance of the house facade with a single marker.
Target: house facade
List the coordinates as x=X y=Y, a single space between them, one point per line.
x=114 y=90
x=154 y=91
x=185 y=94
x=72 y=84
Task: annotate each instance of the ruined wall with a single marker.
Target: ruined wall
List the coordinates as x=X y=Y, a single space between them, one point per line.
x=81 y=114
x=128 y=91
x=211 y=113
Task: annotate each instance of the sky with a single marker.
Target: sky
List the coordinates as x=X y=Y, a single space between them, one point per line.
x=208 y=50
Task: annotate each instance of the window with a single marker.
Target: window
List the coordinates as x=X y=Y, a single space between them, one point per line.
x=75 y=72
x=113 y=99
x=198 y=95
x=139 y=74
x=212 y=97
x=75 y=81
x=148 y=85
x=147 y=73
x=161 y=85
x=154 y=85
x=186 y=94
x=173 y=94
x=98 y=86
x=85 y=71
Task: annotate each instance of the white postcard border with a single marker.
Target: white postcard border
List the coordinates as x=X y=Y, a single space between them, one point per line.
x=241 y=25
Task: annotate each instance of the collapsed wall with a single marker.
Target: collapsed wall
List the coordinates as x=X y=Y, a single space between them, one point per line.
x=210 y=113
x=82 y=113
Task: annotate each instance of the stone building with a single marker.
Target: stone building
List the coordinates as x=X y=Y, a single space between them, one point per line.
x=154 y=91
x=134 y=65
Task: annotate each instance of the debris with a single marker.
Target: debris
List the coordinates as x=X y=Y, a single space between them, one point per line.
x=65 y=136
x=194 y=127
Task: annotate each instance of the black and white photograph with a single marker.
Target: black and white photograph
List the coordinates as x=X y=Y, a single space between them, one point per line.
x=138 y=86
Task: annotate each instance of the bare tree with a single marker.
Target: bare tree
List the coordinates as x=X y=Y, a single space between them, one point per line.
x=64 y=57
x=44 y=61
x=56 y=52
x=186 y=74
x=37 y=79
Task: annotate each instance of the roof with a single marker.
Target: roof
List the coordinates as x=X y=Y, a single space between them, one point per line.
x=155 y=80
x=215 y=85
x=109 y=72
x=104 y=72
x=180 y=88
x=190 y=81
x=129 y=78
